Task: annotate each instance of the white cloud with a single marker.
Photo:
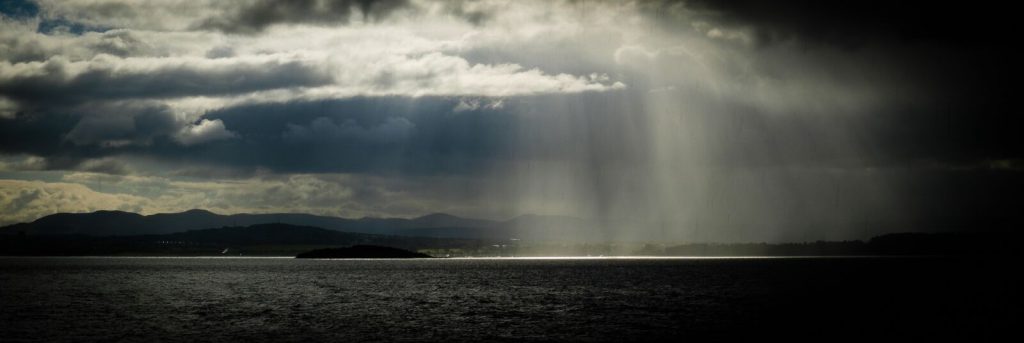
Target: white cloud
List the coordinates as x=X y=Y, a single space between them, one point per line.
x=418 y=55
x=204 y=131
x=476 y=104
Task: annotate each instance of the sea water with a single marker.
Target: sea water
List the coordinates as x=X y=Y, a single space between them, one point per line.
x=48 y=299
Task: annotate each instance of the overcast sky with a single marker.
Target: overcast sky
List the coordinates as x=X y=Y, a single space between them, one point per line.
x=659 y=119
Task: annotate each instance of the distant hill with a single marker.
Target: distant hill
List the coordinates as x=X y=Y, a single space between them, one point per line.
x=260 y=239
x=119 y=223
x=283 y=234
x=278 y=239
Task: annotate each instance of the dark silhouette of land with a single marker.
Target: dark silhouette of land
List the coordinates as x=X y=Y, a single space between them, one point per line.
x=440 y=225
x=123 y=233
x=261 y=239
x=362 y=251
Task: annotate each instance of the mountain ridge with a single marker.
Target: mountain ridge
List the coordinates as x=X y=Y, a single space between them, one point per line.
x=273 y=239
x=440 y=225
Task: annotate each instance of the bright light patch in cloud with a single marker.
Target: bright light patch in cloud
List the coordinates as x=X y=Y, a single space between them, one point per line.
x=204 y=131
x=7 y=108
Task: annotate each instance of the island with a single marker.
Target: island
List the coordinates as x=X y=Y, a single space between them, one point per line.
x=362 y=251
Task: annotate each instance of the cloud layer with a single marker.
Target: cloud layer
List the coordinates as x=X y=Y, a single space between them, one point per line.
x=686 y=119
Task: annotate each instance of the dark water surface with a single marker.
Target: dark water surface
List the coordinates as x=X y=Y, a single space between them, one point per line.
x=218 y=299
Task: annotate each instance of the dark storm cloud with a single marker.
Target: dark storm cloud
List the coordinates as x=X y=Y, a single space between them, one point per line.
x=412 y=136
x=125 y=124
x=427 y=135
x=859 y=23
x=257 y=16
x=19 y=8
x=69 y=136
x=60 y=25
x=54 y=82
x=957 y=54
x=390 y=134
x=949 y=135
x=37 y=133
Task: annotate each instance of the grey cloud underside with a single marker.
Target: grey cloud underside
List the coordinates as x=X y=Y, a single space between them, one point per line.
x=425 y=135
x=97 y=84
x=20 y=47
x=258 y=15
